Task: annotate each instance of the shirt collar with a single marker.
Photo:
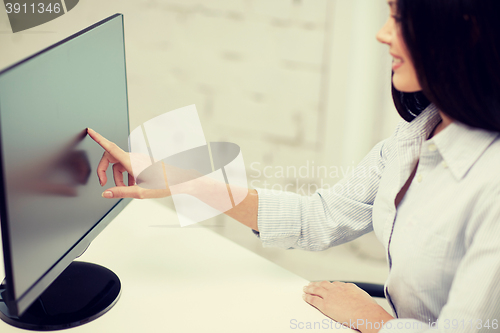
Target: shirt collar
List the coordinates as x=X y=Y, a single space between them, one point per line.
x=461 y=146
x=421 y=127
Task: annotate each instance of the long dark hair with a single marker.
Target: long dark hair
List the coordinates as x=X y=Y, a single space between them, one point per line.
x=455 y=48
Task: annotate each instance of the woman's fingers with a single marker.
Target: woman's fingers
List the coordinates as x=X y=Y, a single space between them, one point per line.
x=135 y=192
x=112 y=155
x=103 y=165
x=314 y=300
x=118 y=171
x=124 y=192
x=102 y=141
x=314 y=288
x=131 y=180
x=113 y=150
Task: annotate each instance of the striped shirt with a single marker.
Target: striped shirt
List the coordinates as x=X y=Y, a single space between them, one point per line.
x=443 y=241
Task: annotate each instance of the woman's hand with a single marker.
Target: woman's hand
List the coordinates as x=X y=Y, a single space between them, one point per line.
x=121 y=163
x=346 y=303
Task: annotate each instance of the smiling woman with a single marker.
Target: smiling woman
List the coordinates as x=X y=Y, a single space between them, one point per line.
x=404 y=78
x=431 y=192
x=454 y=47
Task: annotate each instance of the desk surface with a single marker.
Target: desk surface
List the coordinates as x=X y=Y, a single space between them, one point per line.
x=191 y=280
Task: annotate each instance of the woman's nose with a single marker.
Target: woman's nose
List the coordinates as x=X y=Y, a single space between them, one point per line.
x=385 y=33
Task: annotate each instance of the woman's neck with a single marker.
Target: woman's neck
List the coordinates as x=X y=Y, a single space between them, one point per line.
x=445 y=121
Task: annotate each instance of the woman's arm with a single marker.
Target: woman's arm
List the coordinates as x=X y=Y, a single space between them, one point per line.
x=245 y=212
x=284 y=219
x=204 y=188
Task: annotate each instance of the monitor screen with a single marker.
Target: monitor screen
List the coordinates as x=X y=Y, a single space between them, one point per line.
x=50 y=196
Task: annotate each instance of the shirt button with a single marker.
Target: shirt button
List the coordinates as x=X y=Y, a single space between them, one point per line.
x=445 y=165
x=432 y=147
x=419 y=178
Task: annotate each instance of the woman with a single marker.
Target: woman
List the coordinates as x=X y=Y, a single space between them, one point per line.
x=432 y=195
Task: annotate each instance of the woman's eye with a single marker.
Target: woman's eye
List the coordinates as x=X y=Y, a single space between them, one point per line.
x=396 y=18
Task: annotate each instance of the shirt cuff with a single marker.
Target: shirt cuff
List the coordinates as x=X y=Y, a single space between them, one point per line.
x=279 y=218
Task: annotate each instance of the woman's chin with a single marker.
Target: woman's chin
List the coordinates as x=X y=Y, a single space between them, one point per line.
x=405 y=85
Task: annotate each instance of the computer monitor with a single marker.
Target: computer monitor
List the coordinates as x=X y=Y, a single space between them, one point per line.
x=50 y=197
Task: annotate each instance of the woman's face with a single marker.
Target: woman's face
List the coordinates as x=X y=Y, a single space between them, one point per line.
x=404 y=78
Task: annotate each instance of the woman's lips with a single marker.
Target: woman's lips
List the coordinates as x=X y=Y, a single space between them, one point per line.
x=396 y=62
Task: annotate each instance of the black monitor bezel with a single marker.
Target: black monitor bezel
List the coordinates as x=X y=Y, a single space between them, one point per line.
x=19 y=305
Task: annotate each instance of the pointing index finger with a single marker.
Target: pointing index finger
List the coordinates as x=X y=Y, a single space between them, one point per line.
x=114 y=153
x=102 y=141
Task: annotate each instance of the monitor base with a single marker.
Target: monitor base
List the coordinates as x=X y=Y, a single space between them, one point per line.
x=82 y=293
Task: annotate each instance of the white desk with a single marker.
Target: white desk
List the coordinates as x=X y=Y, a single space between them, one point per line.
x=191 y=280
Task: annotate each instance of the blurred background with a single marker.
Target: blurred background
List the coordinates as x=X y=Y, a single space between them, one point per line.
x=302 y=86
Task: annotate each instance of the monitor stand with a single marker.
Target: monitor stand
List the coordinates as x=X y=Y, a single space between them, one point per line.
x=81 y=293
